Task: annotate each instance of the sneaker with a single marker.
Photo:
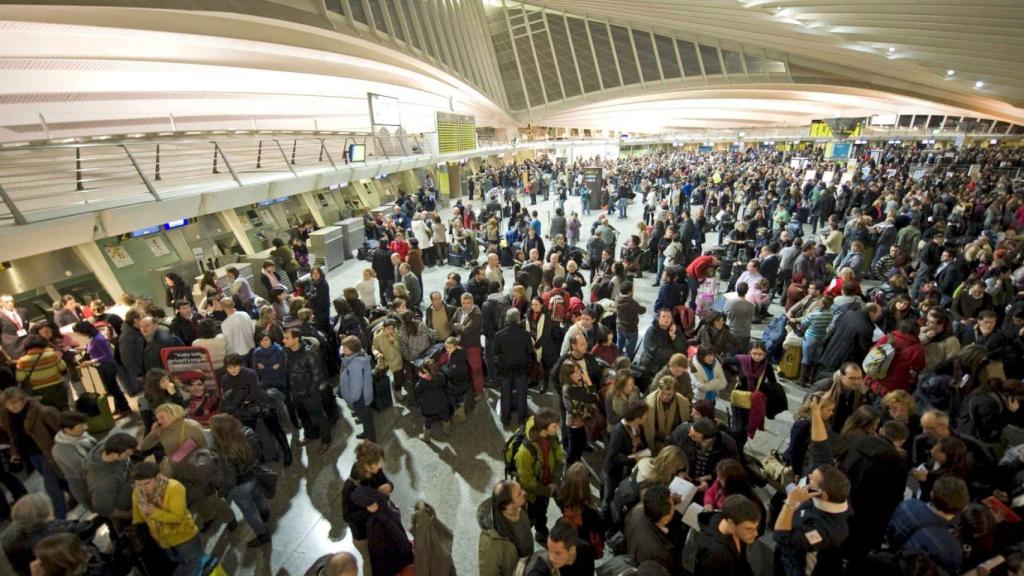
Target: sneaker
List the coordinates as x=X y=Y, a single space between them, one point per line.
x=261 y=540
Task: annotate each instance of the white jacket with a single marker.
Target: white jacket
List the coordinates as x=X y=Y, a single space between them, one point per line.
x=421 y=230
x=701 y=384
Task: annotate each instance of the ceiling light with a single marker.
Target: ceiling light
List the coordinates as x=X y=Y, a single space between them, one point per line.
x=950 y=72
x=979 y=84
x=892 y=49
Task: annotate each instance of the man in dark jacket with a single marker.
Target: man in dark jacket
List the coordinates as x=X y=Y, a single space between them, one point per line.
x=513 y=355
x=847 y=388
x=851 y=338
x=627 y=320
x=493 y=318
x=478 y=285
x=654 y=532
x=245 y=398
x=381 y=262
x=663 y=339
x=184 y=326
x=722 y=545
x=157 y=339
x=585 y=360
x=130 y=346
x=305 y=376
x=467 y=324
x=705 y=445
x=878 y=475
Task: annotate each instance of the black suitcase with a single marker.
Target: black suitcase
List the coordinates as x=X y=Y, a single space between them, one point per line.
x=456 y=259
x=382 y=399
x=725 y=269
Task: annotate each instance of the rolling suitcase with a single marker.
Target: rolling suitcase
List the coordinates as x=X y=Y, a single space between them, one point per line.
x=789 y=367
x=725 y=268
x=94 y=404
x=456 y=259
x=382 y=399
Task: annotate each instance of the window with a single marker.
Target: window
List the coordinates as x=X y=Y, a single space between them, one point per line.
x=645 y=54
x=733 y=62
x=709 y=55
x=624 y=53
x=584 y=55
x=358 y=11
x=688 y=54
x=603 y=53
x=563 y=55
x=667 y=56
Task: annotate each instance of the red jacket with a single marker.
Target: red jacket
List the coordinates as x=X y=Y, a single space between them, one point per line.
x=699 y=267
x=902 y=373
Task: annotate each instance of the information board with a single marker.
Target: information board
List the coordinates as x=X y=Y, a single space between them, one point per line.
x=455 y=132
x=592 y=180
x=190 y=363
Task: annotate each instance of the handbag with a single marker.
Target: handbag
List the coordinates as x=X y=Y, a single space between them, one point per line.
x=266 y=479
x=185 y=449
x=744 y=398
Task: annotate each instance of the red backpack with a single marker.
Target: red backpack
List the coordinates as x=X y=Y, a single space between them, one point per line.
x=557 y=308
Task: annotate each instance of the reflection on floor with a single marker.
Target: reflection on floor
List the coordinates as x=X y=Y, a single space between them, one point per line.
x=453 y=473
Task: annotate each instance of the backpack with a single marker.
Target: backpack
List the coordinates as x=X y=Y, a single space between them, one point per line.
x=511 y=448
x=557 y=308
x=500 y=308
x=602 y=289
x=940 y=392
x=525 y=565
x=876 y=364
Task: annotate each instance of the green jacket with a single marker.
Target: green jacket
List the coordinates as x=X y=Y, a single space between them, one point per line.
x=529 y=462
x=497 y=554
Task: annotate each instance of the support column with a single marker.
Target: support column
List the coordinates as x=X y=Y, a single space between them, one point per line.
x=234 y=223
x=91 y=254
x=314 y=208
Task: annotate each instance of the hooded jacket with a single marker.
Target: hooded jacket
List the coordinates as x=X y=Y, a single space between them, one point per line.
x=356 y=378
x=70 y=454
x=529 y=461
x=432 y=542
x=498 y=554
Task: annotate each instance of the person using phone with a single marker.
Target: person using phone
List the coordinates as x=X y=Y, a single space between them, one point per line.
x=814 y=519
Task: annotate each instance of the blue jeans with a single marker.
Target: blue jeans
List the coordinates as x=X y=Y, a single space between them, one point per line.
x=626 y=343
x=253 y=503
x=622 y=208
x=585 y=203
x=51 y=483
x=513 y=389
x=811 y=349
x=186 y=555
x=661 y=269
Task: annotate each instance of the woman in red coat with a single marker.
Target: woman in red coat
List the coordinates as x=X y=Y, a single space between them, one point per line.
x=908 y=362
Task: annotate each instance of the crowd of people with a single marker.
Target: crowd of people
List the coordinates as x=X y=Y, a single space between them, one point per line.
x=893 y=297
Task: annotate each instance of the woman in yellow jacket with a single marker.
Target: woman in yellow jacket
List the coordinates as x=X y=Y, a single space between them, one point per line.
x=159 y=502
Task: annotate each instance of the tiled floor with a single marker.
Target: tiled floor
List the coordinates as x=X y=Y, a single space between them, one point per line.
x=453 y=473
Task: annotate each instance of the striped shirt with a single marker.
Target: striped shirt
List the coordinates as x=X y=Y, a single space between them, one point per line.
x=816 y=324
x=48 y=371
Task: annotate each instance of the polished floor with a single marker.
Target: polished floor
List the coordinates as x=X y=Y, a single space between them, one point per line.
x=453 y=473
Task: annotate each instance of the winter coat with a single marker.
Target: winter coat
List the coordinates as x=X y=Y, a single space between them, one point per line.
x=243 y=397
x=701 y=383
x=432 y=543
x=41 y=424
x=356 y=379
x=529 y=461
x=151 y=349
x=456 y=373
x=71 y=454
x=513 y=350
x=658 y=347
x=387 y=352
x=627 y=314
x=906 y=364
x=304 y=370
x=850 y=340
x=434 y=400
x=355 y=515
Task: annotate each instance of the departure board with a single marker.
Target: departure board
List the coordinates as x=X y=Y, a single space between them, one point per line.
x=455 y=132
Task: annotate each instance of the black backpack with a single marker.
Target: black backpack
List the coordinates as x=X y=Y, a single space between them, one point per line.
x=511 y=448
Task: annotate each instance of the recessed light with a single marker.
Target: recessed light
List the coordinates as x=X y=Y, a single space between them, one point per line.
x=892 y=49
x=979 y=84
x=950 y=72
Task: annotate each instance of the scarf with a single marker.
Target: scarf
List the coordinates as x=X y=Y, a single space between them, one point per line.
x=665 y=418
x=751 y=371
x=83 y=444
x=156 y=499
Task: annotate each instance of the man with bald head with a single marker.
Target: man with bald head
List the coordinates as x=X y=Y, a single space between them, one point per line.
x=157 y=338
x=334 y=564
x=935 y=425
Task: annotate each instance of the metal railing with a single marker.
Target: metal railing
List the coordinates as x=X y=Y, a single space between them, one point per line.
x=42 y=182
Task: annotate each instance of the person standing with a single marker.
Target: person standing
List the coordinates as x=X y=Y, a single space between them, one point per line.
x=32 y=427
x=41 y=371
x=240 y=464
x=108 y=477
x=627 y=320
x=159 y=503
x=357 y=384
x=722 y=546
x=467 y=323
x=368 y=471
x=101 y=355
x=13 y=326
x=513 y=353
x=539 y=464
x=305 y=375
x=391 y=552
x=71 y=448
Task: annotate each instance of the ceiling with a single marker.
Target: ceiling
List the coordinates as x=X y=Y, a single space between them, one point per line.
x=902 y=51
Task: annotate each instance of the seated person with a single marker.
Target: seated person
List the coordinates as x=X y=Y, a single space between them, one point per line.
x=202 y=404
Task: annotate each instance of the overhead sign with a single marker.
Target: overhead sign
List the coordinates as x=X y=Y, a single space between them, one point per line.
x=384 y=110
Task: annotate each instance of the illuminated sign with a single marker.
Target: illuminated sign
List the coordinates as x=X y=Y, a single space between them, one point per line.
x=177 y=224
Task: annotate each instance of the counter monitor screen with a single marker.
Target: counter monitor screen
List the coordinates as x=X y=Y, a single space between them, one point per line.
x=145 y=231
x=357 y=152
x=177 y=223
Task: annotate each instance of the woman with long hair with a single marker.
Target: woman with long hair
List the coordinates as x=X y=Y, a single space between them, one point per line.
x=706 y=374
x=176 y=289
x=948 y=457
x=541 y=327
x=209 y=288
x=268 y=324
x=627 y=443
x=755 y=375
x=576 y=502
x=731 y=479
x=318 y=299
x=622 y=393
x=234 y=445
x=434 y=400
x=659 y=470
x=796 y=454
